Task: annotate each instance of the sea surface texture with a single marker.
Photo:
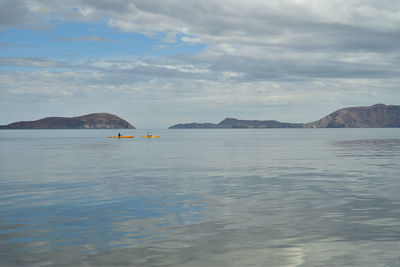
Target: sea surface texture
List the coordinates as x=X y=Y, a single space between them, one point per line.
x=241 y=197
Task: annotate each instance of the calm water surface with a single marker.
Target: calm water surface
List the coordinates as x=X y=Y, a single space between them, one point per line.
x=279 y=197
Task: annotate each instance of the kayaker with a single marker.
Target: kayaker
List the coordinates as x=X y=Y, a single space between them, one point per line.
x=119 y=135
x=148 y=134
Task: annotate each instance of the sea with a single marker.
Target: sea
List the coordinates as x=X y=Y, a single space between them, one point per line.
x=200 y=197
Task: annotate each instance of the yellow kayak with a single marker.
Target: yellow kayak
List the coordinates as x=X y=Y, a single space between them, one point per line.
x=150 y=136
x=122 y=136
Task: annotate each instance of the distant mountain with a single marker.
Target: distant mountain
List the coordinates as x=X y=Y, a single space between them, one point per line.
x=91 y=121
x=376 y=116
x=235 y=123
x=194 y=125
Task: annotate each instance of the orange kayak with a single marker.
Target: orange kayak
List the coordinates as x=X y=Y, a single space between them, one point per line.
x=122 y=136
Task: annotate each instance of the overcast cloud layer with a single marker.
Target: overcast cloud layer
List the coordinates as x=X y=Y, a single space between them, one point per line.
x=289 y=60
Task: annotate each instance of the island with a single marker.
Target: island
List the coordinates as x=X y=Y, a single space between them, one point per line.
x=235 y=123
x=376 y=116
x=90 y=121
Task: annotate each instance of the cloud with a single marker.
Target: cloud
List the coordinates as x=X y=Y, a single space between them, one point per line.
x=8 y=45
x=23 y=13
x=12 y=13
x=295 y=25
x=212 y=21
x=285 y=39
x=31 y=62
x=302 y=26
x=92 y=38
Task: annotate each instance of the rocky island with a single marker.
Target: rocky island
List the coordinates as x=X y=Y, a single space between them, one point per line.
x=235 y=123
x=90 y=121
x=376 y=116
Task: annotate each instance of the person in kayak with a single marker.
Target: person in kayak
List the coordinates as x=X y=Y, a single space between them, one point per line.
x=148 y=134
x=119 y=135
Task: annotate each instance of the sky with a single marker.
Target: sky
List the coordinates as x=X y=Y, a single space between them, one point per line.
x=156 y=63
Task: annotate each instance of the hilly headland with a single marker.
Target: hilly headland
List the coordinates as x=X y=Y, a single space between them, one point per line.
x=376 y=116
x=90 y=121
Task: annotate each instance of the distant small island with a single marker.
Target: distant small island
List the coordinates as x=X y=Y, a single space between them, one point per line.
x=90 y=121
x=235 y=123
x=376 y=116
